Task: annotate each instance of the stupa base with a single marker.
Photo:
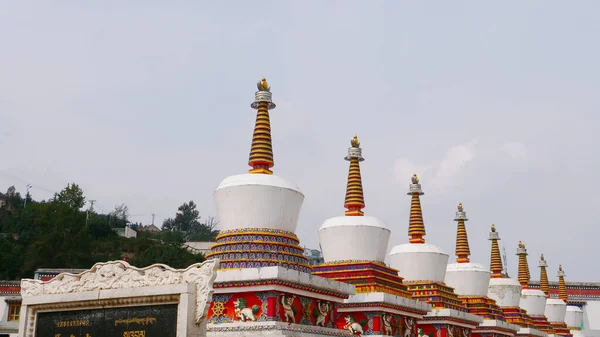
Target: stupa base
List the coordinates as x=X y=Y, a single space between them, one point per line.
x=381 y=314
x=496 y=328
x=531 y=332
x=275 y=300
x=449 y=323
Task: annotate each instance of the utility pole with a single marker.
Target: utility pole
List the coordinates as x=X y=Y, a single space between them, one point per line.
x=28 y=186
x=87 y=216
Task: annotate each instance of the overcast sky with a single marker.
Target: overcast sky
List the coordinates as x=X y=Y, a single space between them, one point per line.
x=147 y=103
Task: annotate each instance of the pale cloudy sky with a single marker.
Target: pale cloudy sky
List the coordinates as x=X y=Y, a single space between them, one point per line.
x=147 y=103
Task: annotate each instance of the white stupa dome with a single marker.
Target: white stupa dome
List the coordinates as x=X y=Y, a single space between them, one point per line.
x=354 y=238
x=419 y=261
x=258 y=201
x=534 y=301
x=556 y=310
x=505 y=291
x=573 y=316
x=468 y=279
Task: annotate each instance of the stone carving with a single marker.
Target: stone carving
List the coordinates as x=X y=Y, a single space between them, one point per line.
x=243 y=312
x=287 y=302
x=450 y=331
x=120 y=274
x=324 y=308
x=409 y=326
x=387 y=324
x=352 y=326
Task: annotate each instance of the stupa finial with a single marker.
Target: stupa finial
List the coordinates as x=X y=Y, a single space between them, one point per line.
x=496 y=258
x=544 y=285
x=261 y=151
x=355 y=200
x=562 y=286
x=524 y=275
x=462 y=241
x=416 y=227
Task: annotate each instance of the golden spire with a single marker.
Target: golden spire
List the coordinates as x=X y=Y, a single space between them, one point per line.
x=524 y=275
x=416 y=227
x=355 y=200
x=261 y=151
x=462 y=242
x=544 y=285
x=562 y=286
x=496 y=259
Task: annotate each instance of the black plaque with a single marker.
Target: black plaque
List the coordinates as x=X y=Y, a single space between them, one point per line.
x=146 y=321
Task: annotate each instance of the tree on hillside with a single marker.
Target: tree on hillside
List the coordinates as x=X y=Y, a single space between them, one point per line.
x=188 y=221
x=71 y=196
x=120 y=215
x=53 y=234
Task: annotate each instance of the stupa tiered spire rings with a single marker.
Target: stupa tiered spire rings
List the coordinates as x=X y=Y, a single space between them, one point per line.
x=544 y=285
x=462 y=242
x=524 y=275
x=416 y=226
x=496 y=259
x=562 y=286
x=355 y=200
x=261 y=151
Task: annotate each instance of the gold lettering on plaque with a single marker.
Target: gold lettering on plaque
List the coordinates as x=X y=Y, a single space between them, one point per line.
x=136 y=320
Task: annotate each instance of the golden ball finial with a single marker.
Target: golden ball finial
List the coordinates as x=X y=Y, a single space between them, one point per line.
x=460 y=207
x=493 y=228
x=263 y=85
x=415 y=179
x=354 y=142
x=560 y=267
x=521 y=244
x=542 y=257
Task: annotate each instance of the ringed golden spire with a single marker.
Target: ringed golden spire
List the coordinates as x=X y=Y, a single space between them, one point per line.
x=355 y=200
x=462 y=241
x=416 y=226
x=261 y=150
x=496 y=259
x=562 y=286
x=524 y=275
x=544 y=285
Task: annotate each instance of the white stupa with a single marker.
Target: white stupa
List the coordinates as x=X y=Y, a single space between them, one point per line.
x=262 y=265
x=532 y=300
x=354 y=248
x=467 y=278
x=354 y=237
x=423 y=266
x=471 y=281
x=418 y=260
x=507 y=291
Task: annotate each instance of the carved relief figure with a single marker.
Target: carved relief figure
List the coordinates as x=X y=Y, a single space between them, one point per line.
x=450 y=331
x=387 y=324
x=409 y=326
x=324 y=308
x=288 y=309
x=244 y=313
x=352 y=326
x=465 y=332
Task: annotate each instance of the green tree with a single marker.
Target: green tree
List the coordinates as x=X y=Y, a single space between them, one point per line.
x=71 y=196
x=188 y=221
